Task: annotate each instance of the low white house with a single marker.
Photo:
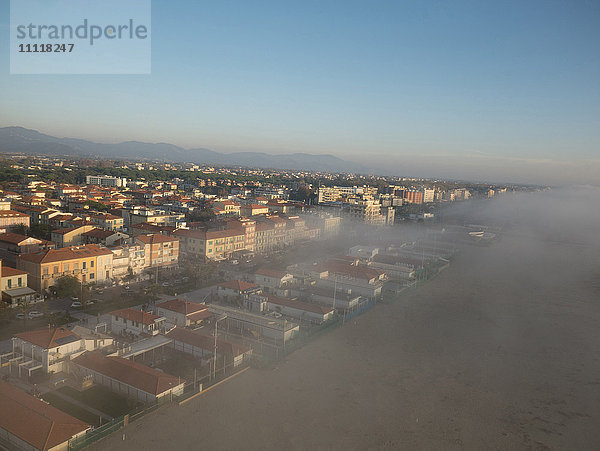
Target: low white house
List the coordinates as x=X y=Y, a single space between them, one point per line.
x=135 y=322
x=50 y=349
x=272 y=278
x=47 y=349
x=183 y=313
x=237 y=289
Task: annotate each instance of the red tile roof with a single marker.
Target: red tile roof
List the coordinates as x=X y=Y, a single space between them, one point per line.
x=135 y=315
x=182 y=306
x=12 y=214
x=49 y=338
x=65 y=254
x=131 y=373
x=35 y=422
x=16 y=238
x=156 y=238
x=238 y=285
x=207 y=342
x=9 y=272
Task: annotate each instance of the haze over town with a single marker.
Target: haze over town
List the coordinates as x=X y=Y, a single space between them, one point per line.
x=313 y=225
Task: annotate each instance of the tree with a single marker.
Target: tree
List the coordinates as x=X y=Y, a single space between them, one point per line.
x=41 y=231
x=21 y=229
x=67 y=286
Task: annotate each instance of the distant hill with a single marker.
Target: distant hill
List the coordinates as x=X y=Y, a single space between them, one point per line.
x=23 y=140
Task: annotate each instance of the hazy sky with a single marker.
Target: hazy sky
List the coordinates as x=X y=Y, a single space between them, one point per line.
x=460 y=89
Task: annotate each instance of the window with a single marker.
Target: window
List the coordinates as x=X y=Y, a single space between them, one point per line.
x=45 y=271
x=9 y=283
x=66 y=266
x=84 y=265
x=20 y=282
x=92 y=264
x=91 y=276
x=55 y=270
x=75 y=266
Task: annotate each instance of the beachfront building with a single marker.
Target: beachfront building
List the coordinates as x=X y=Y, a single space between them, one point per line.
x=135 y=322
x=126 y=377
x=28 y=423
x=183 y=313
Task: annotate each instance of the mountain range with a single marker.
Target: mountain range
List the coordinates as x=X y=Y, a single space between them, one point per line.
x=23 y=140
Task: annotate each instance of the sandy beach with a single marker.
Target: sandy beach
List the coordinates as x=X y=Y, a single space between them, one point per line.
x=500 y=351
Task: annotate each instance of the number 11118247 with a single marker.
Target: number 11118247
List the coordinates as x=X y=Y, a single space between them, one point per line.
x=46 y=48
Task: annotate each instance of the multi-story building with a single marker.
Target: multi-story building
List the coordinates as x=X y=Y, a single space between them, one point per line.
x=89 y=264
x=428 y=195
x=367 y=211
x=13 y=244
x=106 y=180
x=161 y=250
x=136 y=215
x=9 y=219
x=129 y=260
x=212 y=244
x=253 y=210
x=70 y=236
x=107 y=221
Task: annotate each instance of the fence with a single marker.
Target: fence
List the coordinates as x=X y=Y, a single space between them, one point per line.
x=360 y=310
x=106 y=429
x=96 y=434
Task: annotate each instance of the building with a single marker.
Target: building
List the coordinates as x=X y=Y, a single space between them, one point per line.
x=203 y=346
x=236 y=289
x=107 y=221
x=129 y=260
x=303 y=311
x=266 y=329
x=70 y=236
x=428 y=195
x=9 y=219
x=135 y=322
x=367 y=211
x=212 y=244
x=31 y=424
x=253 y=210
x=183 y=313
x=272 y=278
x=106 y=180
x=14 y=289
x=126 y=377
x=162 y=251
x=355 y=279
x=13 y=244
x=104 y=237
x=48 y=349
x=89 y=264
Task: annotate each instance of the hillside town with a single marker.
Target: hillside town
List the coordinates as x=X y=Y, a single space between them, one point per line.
x=121 y=294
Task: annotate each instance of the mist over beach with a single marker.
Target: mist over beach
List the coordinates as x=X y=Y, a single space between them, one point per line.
x=499 y=350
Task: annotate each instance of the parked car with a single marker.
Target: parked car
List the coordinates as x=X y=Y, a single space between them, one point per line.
x=76 y=304
x=35 y=314
x=20 y=316
x=74 y=298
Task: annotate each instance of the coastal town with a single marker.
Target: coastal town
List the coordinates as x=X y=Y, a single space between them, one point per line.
x=121 y=294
